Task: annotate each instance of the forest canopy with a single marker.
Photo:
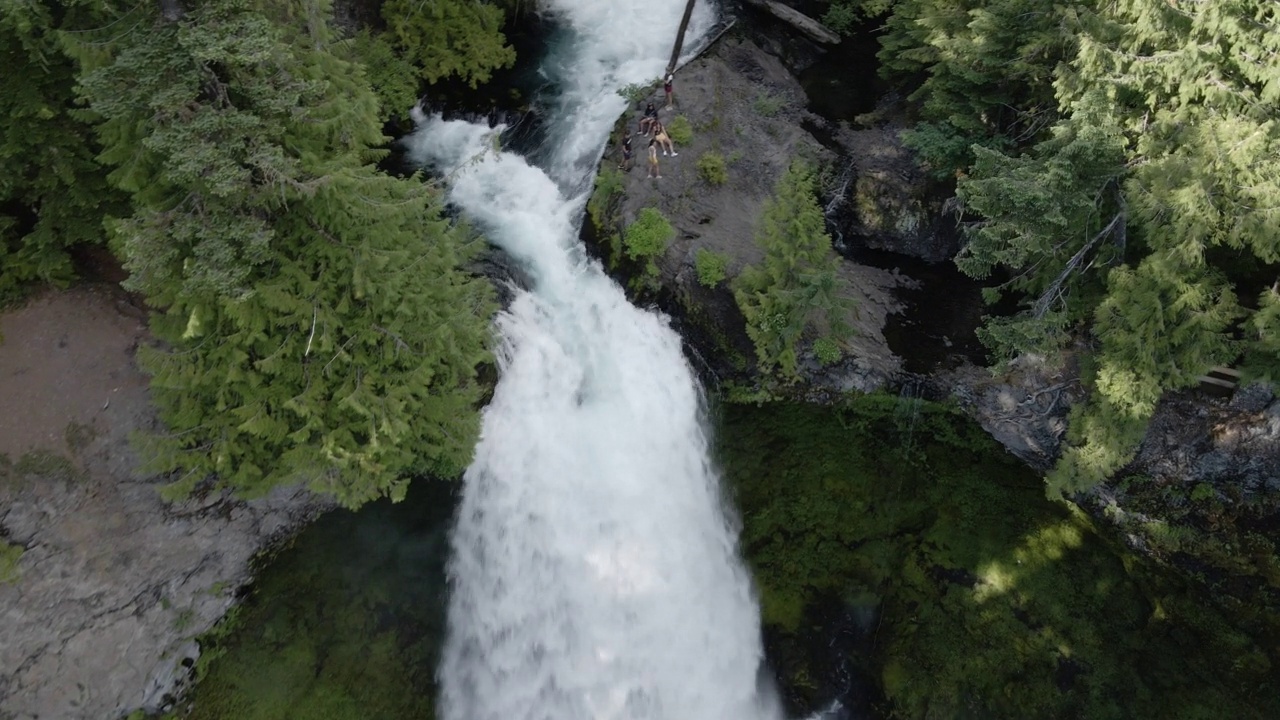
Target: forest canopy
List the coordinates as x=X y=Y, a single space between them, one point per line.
x=316 y=316
x=1118 y=170
x=1116 y=165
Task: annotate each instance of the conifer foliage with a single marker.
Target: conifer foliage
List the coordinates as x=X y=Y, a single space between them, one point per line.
x=53 y=195
x=317 y=322
x=450 y=38
x=987 y=69
x=1150 y=211
x=795 y=293
x=1058 y=217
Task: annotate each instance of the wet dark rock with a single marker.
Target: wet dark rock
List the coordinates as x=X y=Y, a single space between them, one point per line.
x=504 y=272
x=1024 y=409
x=1253 y=397
x=891 y=204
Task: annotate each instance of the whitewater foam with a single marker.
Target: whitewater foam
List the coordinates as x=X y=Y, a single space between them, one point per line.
x=594 y=572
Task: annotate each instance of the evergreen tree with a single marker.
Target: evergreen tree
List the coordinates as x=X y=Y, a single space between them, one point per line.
x=1190 y=88
x=53 y=194
x=1161 y=326
x=352 y=365
x=318 y=323
x=1057 y=219
x=1263 y=336
x=984 y=68
x=796 y=287
x=450 y=38
x=843 y=16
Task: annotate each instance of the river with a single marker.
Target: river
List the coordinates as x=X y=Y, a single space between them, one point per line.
x=594 y=572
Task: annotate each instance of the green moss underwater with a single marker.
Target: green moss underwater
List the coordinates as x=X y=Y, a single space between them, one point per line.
x=344 y=625
x=966 y=594
x=905 y=562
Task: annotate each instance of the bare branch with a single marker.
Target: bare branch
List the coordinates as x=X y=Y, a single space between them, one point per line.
x=314 y=311
x=1054 y=291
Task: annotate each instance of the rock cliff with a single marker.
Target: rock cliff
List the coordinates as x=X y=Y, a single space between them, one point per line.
x=112 y=584
x=745 y=107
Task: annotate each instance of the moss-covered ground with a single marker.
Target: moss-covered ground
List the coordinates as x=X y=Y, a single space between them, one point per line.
x=973 y=596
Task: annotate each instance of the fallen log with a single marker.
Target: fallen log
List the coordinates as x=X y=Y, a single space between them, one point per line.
x=812 y=29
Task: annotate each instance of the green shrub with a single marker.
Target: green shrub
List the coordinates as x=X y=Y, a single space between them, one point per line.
x=711 y=267
x=635 y=92
x=827 y=351
x=680 y=130
x=46 y=464
x=646 y=239
x=1203 y=491
x=9 y=557
x=607 y=189
x=767 y=104
x=712 y=168
x=78 y=436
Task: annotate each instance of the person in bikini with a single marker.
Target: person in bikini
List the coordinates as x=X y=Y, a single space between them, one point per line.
x=666 y=89
x=664 y=140
x=653 y=160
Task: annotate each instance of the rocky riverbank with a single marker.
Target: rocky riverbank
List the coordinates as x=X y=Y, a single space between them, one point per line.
x=112 y=584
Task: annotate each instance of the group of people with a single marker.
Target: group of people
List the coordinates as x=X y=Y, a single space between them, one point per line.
x=652 y=128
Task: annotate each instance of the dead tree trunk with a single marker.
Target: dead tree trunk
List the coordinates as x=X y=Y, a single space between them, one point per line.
x=684 y=25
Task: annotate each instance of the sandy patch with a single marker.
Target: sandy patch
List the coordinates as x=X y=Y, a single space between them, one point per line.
x=66 y=365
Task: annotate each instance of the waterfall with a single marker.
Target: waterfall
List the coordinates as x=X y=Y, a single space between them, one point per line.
x=906 y=413
x=594 y=573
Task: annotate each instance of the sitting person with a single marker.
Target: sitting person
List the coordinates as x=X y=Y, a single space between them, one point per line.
x=650 y=117
x=664 y=140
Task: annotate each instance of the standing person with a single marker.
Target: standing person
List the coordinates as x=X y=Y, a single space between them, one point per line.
x=650 y=117
x=626 y=153
x=666 y=88
x=653 y=160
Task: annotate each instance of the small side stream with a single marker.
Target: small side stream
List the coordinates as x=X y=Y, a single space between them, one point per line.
x=936 y=329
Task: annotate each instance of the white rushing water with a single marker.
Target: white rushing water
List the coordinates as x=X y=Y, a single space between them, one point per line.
x=594 y=574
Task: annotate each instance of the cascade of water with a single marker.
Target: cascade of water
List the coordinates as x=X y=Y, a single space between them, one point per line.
x=595 y=572
x=907 y=412
x=834 y=207
x=840 y=196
